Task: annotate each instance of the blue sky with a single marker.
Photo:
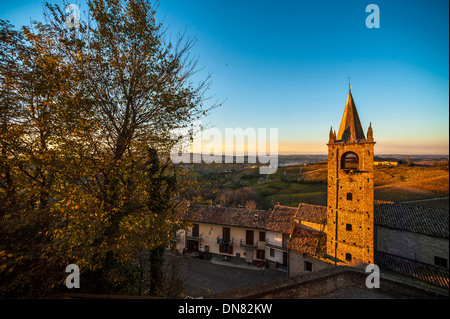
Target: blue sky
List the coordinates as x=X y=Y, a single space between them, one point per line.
x=286 y=63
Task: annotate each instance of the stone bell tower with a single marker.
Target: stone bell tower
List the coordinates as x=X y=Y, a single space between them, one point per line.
x=350 y=203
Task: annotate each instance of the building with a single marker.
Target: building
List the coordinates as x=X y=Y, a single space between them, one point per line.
x=241 y=234
x=385 y=163
x=351 y=231
x=413 y=240
x=350 y=191
x=228 y=232
x=279 y=227
x=307 y=247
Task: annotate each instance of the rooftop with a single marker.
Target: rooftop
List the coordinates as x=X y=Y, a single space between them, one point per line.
x=417 y=219
x=425 y=220
x=230 y=216
x=311 y=213
x=281 y=219
x=307 y=241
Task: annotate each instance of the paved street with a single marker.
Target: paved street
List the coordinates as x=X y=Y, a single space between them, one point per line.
x=202 y=277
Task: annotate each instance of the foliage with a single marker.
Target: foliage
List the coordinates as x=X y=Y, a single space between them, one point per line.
x=85 y=119
x=245 y=196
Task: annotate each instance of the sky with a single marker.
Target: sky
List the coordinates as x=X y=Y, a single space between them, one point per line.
x=285 y=64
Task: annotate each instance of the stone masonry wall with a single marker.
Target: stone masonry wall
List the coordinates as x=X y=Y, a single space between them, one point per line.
x=350 y=205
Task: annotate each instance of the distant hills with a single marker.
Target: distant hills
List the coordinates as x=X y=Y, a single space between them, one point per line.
x=284 y=160
x=303 y=178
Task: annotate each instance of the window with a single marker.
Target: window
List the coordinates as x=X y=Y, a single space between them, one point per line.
x=226 y=234
x=195 y=230
x=348 y=257
x=307 y=266
x=260 y=254
x=262 y=236
x=349 y=161
x=348 y=227
x=349 y=196
x=249 y=237
x=224 y=246
x=272 y=252
x=440 y=262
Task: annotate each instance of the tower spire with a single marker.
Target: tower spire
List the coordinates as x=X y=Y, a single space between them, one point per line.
x=370 y=133
x=332 y=136
x=350 y=128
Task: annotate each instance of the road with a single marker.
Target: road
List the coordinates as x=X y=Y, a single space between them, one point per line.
x=201 y=277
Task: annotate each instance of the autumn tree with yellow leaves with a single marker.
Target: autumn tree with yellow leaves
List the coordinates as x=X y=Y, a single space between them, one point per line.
x=86 y=116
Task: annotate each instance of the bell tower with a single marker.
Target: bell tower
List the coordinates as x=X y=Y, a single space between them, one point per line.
x=350 y=202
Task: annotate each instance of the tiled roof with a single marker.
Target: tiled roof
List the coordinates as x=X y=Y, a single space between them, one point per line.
x=413 y=268
x=229 y=216
x=281 y=219
x=438 y=202
x=311 y=213
x=416 y=219
x=424 y=220
x=307 y=241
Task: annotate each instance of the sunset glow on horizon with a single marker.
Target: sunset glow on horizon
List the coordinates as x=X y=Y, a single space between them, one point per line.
x=286 y=66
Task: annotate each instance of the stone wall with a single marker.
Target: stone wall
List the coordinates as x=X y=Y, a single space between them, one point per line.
x=350 y=205
x=410 y=245
x=336 y=282
x=297 y=264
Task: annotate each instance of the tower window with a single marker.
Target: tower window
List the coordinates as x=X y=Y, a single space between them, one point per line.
x=348 y=227
x=308 y=266
x=349 y=196
x=349 y=161
x=348 y=257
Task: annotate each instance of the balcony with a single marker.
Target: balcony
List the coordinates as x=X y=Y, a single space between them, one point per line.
x=195 y=237
x=280 y=245
x=248 y=245
x=225 y=246
x=221 y=241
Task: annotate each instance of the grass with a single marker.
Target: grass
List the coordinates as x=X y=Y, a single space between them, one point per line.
x=403 y=174
x=308 y=183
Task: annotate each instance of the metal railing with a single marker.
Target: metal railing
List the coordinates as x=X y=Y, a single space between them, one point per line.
x=249 y=245
x=277 y=244
x=197 y=238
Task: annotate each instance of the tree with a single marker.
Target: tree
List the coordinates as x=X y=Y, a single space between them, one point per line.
x=409 y=162
x=251 y=204
x=32 y=81
x=86 y=120
x=243 y=197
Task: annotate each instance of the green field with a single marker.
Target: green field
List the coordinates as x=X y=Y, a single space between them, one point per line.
x=292 y=185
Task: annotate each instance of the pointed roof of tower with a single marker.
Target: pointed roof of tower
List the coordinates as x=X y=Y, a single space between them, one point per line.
x=350 y=128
